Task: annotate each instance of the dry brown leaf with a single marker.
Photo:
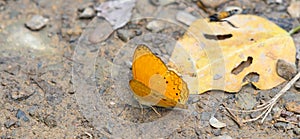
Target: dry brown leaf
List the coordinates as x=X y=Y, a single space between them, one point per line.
x=223 y=55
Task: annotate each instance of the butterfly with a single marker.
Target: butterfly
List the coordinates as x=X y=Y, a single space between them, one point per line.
x=220 y=17
x=153 y=84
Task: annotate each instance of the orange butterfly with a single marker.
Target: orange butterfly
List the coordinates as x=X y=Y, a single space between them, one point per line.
x=153 y=84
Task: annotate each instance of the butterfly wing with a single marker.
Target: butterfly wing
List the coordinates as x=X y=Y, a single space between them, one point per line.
x=152 y=78
x=149 y=97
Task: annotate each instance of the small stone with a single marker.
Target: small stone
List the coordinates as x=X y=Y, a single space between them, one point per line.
x=161 y=2
x=293 y=107
x=294 y=9
x=280 y=125
x=155 y=26
x=213 y=3
x=138 y=32
x=296 y=131
x=50 y=121
x=274 y=1
x=285 y=113
x=185 y=17
x=2 y=5
x=255 y=114
x=245 y=101
x=297 y=85
x=32 y=110
x=214 y=122
x=9 y=123
x=286 y=69
x=216 y=132
x=109 y=128
x=292 y=119
x=205 y=116
x=125 y=35
x=280 y=8
x=222 y=137
x=20 y=95
x=36 y=23
x=87 y=13
x=290 y=126
x=21 y=115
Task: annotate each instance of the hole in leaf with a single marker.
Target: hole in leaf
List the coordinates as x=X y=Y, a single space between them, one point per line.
x=251 y=77
x=217 y=37
x=242 y=66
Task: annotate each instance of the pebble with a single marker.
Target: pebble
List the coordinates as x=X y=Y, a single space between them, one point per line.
x=292 y=119
x=161 y=2
x=138 y=32
x=21 y=115
x=280 y=125
x=2 y=5
x=286 y=69
x=9 y=123
x=297 y=85
x=36 y=23
x=20 y=95
x=296 y=131
x=285 y=113
x=213 y=3
x=205 y=116
x=280 y=8
x=245 y=101
x=255 y=114
x=293 y=107
x=125 y=35
x=290 y=126
x=294 y=9
x=214 y=122
x=222 y=137
x=216 y=132
x=87 y=13
x=291 y=96
x=274 y=1
x=50 y=121
x=31 y=111
x=185 y=17
x=155 y=26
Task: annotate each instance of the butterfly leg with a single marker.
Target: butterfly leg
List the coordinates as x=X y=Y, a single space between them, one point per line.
x=142 y=109
x=155 y=111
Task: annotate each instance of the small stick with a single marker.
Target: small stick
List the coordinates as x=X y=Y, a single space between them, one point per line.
x=267 y=107
x=233 y=116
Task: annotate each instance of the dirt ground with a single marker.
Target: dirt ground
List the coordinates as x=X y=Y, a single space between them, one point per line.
x=66 y=74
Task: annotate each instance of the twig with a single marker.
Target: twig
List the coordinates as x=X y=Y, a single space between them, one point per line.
x=274 y=100
x=233 y=116
x=267 y=107
x=90 y=135
x=294 y=30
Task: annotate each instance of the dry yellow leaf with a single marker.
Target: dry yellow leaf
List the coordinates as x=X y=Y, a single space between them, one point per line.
x=223 y=55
